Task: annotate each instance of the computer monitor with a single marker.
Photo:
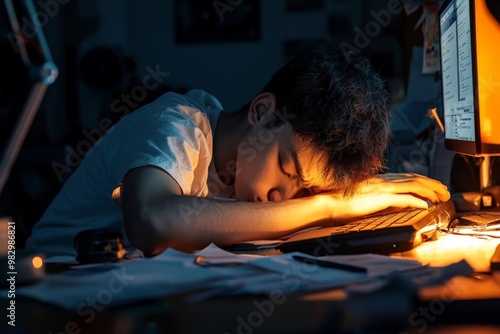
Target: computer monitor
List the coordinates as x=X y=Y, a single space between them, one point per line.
x=470 y=73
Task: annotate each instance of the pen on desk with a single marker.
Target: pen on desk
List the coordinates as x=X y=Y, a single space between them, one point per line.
x=216 y=261
x=329 y=264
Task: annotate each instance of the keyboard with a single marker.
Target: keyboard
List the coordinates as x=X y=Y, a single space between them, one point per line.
x=377 y=222
x=383 y=233
x=478 y=219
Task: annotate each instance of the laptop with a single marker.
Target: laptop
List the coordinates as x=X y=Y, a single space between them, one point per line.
x=382 y=233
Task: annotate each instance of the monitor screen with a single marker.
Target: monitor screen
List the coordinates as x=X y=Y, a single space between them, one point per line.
x=456 y=53
x=470 y=97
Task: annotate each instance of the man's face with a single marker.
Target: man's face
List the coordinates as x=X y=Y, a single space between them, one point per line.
x=271 y=166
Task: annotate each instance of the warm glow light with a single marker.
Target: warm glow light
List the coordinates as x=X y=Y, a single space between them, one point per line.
x=37 y=262
x=452 y=248
x=487 y=33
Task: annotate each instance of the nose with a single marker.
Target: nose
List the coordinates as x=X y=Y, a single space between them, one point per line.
x=274 y=195
x=281 y=193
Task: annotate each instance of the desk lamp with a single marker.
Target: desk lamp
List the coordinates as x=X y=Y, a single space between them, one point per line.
x=29 y=41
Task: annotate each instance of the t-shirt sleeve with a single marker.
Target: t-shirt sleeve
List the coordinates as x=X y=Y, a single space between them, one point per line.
x=177 y=140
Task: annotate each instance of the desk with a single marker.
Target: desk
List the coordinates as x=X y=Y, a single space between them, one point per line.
x=471 y=303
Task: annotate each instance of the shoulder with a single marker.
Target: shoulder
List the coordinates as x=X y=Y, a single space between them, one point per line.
x=198 y=106
x=196 y=99
x=204 y=100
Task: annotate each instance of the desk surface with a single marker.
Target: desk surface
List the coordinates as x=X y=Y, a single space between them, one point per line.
x=451 y=248
x=471 y=303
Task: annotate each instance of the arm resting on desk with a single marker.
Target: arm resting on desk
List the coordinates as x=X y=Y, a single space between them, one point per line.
x=157 y=214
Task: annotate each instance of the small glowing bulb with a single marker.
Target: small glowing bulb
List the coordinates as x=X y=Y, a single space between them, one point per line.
x=37 y=262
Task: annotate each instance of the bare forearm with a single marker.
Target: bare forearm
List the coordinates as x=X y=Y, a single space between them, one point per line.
x=190 y=223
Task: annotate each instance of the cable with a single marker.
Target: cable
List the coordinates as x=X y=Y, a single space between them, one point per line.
x=453 y=229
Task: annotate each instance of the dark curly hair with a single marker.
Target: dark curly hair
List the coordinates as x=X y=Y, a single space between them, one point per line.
x=339 y=105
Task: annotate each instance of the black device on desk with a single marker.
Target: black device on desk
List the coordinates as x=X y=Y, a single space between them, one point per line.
x=383 y=233
x=99 y=245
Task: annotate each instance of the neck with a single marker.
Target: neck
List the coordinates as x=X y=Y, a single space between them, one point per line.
x=231 y=127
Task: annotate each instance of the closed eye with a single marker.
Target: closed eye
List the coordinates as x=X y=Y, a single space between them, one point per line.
x=280 y=165
x=304 y=192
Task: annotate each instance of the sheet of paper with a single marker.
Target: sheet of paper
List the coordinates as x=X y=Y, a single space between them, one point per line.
x=266 y=244
x=291 y=276
x=296 y=277
x=215 y=255
x=376 y=264
x=430 y=29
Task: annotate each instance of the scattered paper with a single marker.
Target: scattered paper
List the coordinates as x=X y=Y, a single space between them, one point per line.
x=223 y=273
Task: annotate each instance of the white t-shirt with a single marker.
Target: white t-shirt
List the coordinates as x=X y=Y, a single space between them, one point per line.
x=174 y=133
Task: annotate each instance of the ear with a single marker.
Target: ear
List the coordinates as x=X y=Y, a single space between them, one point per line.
x=262 y=104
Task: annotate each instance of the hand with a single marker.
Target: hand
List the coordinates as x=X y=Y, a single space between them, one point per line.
x=391 y=190
x=414 y=184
